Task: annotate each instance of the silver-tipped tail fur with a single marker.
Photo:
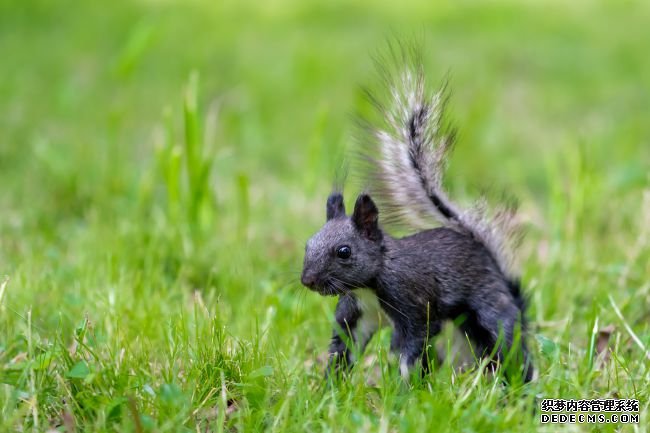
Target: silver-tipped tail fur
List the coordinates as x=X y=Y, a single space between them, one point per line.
x=408 y=149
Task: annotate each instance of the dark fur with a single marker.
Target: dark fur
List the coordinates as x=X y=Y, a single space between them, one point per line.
x=461 y=271
x=420 y=281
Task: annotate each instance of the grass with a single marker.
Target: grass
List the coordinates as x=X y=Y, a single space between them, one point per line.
x=163 y=163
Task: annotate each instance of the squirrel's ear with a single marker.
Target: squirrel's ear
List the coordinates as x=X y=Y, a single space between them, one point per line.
x=366 y=217
x=335 y=206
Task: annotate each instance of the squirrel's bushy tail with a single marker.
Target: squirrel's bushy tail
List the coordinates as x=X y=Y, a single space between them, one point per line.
x=408 y=148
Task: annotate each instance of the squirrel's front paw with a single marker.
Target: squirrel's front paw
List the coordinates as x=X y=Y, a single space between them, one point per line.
x=337 y=366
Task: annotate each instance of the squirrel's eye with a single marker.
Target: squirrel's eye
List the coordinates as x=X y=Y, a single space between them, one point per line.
x=343 y=252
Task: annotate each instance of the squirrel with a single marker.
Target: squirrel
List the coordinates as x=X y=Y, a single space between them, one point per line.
x=460 y=271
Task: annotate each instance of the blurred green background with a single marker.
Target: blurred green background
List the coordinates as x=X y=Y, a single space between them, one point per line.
x=163 y=162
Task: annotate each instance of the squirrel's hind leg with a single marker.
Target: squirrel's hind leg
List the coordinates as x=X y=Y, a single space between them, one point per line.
x=492 y=328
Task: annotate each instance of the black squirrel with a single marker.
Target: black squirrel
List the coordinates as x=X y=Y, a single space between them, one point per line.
x=460 y=271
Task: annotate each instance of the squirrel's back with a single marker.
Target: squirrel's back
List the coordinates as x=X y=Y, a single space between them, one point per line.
x=450 y=264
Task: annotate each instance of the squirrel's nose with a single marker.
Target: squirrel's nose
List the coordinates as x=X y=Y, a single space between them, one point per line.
x=307 y=280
